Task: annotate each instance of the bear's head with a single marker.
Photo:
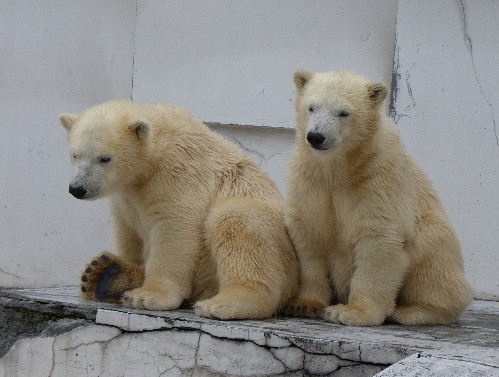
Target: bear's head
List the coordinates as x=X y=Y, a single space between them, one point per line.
x=108 y=146
x=336 y=110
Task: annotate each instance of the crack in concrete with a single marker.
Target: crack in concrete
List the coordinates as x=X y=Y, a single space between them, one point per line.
x=282 y=363
x=248 y=150
x=396 y=78
x=10 y=274
x=53 y=358
x=409 y=88
x=469 y=46
x=134 y=49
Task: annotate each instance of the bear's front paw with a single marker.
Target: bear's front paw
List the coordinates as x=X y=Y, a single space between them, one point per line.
x=352 y=316
x=301 y=307
x=151 y=299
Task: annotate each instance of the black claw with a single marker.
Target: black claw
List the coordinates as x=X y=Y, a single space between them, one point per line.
x=83 y=289
x=88 y=270
x=84 y=278
x=94 y=263
x=104 y=258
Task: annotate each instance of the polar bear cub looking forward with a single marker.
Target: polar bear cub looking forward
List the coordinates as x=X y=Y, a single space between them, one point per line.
x=370 y=233
x=195 y=220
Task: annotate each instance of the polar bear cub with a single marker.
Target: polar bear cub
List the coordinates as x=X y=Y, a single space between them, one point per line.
x=371 y=235
x=194 y=219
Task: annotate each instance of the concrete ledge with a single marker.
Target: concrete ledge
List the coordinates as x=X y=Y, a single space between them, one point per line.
x=107 y=339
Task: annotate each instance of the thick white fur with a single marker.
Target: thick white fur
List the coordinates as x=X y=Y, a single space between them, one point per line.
x=371 y=235
x=202 y=219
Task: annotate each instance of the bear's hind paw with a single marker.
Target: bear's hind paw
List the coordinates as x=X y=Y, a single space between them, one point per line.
x=106 y=277
x=301 y=307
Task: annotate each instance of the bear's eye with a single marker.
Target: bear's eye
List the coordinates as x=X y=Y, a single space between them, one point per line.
x=344 y=113
x=104 y=159
x=311 y=109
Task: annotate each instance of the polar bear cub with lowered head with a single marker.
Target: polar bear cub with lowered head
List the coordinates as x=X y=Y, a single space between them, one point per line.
x=195 y=220
x=371 y=235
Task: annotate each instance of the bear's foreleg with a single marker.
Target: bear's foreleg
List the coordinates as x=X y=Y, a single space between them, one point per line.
x=381 y=264
x=173 y=251
x=315 y=288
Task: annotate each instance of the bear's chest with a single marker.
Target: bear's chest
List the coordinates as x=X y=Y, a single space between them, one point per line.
x=132 y=215
x=346 y=214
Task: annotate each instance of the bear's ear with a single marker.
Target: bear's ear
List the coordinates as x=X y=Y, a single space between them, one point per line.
x=301 y=78
x=140 y=128
x=68 y=120
x=377 y=93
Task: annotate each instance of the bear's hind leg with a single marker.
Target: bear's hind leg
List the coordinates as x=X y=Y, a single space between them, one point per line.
x=435 y=290
x=107 y=276
x=421 y=315
x=256 y=269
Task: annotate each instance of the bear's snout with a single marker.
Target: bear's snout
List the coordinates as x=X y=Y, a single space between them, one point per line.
x=77 y=191
x=315 y=139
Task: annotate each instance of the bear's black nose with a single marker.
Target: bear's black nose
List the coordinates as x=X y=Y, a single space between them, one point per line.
x=315 y=139
x=77 y=191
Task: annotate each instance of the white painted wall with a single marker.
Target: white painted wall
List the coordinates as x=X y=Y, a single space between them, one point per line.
x=56 y=56
x=447 y=110
x=233 y=61
x=228 y=62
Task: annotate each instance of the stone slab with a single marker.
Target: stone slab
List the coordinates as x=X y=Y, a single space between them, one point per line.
x=282 y=345
x=430 y=366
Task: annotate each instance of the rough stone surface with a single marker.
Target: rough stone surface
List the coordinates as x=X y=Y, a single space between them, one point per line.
x=127 y=342
x=430 y=366
x=18 y=321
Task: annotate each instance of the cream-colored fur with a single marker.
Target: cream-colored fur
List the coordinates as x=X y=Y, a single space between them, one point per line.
x=371 y=235
x=200 y=217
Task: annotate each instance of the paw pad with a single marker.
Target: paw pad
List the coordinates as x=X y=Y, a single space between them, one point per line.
x=97 y=277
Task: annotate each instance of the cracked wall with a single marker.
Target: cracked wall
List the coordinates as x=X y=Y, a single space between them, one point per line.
x=444 y=102
x=97 y=350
